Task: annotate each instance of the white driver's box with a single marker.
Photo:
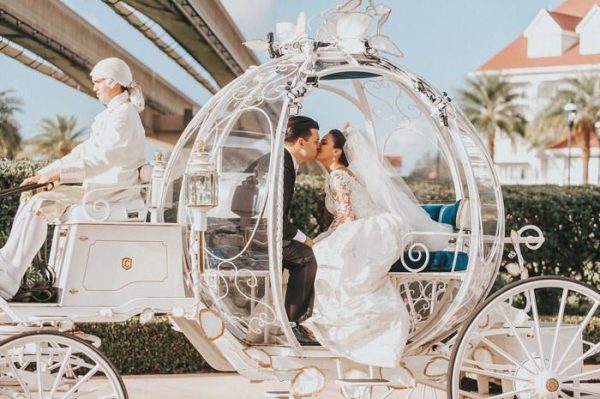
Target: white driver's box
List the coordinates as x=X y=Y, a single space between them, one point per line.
x=111 y=264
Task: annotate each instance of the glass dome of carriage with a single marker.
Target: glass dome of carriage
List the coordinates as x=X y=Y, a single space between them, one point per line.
x=260 y=95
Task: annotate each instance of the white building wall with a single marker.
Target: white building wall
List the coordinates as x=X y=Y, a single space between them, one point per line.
x=545 y=38
x=589 y=32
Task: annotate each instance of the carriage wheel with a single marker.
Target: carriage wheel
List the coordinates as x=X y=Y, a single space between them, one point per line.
x=536 y=338
x=47 y=364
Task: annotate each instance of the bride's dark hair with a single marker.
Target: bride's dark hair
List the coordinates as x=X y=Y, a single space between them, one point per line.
x=338 y=143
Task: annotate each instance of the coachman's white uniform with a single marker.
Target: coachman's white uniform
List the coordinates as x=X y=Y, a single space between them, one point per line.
x=110 y=157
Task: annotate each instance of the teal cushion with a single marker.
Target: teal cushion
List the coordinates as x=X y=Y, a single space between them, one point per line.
x=433 y=210
x=439 y=261
x=443 y=213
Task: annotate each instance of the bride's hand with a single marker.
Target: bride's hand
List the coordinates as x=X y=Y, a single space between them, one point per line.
x=308 y=242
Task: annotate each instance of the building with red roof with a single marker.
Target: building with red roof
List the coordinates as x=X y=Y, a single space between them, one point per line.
x=556 y=45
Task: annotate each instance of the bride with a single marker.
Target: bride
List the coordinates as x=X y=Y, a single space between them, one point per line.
x=358 y=313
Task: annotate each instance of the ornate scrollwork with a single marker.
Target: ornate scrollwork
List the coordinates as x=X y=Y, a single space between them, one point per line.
x=417 y=253
x=99 y=206
x=438 y=104
x=532 y=241
x=231 y=288
x=400 y=116
x=421 y=297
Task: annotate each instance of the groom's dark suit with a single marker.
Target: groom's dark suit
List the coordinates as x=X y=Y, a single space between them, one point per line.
x=298 y=257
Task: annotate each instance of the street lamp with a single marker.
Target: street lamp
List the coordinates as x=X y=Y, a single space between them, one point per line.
x=571 y=111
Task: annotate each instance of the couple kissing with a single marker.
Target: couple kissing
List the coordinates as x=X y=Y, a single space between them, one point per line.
x=338 y=291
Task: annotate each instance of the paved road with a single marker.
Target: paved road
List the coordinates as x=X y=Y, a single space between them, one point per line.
x=232 y=386
x=218 y=386
x=197 y=386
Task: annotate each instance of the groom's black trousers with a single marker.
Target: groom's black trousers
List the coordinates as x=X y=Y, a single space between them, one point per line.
x=300 y=261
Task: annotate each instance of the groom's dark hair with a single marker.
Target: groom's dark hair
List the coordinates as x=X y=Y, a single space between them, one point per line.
x=299 y=126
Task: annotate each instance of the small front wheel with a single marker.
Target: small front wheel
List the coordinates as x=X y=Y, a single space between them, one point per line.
x=536 y=338
x=45 y=364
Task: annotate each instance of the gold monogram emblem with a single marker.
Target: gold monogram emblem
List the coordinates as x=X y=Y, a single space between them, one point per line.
x=127 y=263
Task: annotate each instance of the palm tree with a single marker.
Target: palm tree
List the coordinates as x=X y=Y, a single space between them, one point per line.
x=489 y=101
x=57 y=137
x=584 y=92
x=10 y=138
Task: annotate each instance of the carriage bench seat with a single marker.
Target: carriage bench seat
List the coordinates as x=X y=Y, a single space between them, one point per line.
x=439 y=261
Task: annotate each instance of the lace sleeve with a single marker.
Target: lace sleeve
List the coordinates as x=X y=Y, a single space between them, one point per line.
x=341 y=196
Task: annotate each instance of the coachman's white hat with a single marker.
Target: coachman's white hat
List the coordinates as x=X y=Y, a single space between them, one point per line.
x=117 y=70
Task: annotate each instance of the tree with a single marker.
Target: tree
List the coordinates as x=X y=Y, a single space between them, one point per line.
x=490 y=103
x=10 y=137
x=58 y=136
x=584 y=92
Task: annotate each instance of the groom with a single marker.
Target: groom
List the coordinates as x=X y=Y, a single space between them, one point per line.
x=301 y=145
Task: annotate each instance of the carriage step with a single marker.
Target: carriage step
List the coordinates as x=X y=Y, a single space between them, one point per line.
x=362 y=382
x=277 y=394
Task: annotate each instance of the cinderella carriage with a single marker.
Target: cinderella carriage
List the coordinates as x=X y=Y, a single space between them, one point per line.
x=208 y=254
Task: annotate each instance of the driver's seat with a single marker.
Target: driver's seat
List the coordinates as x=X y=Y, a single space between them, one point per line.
x=131 y=211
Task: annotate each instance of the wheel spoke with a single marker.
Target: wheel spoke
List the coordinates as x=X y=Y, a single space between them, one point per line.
x=493 y=374
x=504 y=354
x=536 y=326
x=81 y=381
x=579 y=332
x=582 y=375
x=506 y=395
x=18 y=377
x=511 y=394
x=81 y=394
x=513 y=329
x=571 y=387
x=590 y=352
x=61 y=371
x=38 y=369
x=561 y=312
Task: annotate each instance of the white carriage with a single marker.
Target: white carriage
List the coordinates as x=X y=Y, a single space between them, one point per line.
x=210 y=255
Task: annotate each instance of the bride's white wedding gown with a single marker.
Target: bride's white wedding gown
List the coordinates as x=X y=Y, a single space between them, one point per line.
x=357 y=311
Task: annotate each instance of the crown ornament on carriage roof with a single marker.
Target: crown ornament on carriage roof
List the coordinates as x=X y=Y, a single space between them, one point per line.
x=344 y=26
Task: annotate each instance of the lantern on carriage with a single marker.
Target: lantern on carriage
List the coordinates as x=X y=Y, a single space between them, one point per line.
x=202 y=181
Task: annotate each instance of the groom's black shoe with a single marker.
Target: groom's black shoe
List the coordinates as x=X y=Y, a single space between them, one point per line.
x=304 y=336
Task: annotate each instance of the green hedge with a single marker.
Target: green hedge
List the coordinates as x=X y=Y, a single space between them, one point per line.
x=569 y=218
x=12 y=173
x=148 y=348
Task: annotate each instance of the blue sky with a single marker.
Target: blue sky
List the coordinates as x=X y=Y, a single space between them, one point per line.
x=442 y=40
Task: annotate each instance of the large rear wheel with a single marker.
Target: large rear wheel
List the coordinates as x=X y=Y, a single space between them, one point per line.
x=537 y=338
